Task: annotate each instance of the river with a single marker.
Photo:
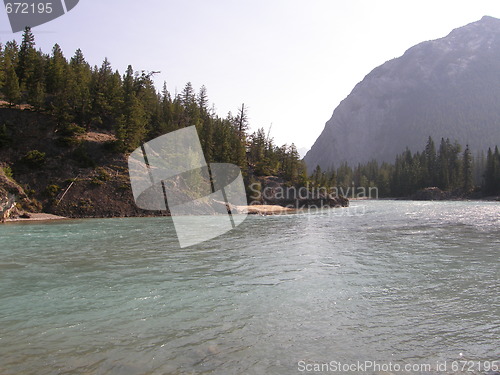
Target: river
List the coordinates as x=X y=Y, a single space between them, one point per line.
x=391 y=283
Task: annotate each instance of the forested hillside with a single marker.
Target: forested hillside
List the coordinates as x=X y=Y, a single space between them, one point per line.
x=92 y=115
x=449 y=167
x=130 y=107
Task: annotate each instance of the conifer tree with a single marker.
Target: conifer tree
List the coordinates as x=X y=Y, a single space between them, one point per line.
x=496 y=171
x=166 y=112
x=79 y=89
x=430 y=163
x=479 y=168
x=11 y=52
x=106 y=95
x=35 y=83
x=187 y=95
x=55 y=73
x=456 y=165
x=11 y=88
x=148 y=98
x=443 y=165
x=27 y=58
x=36 y=95
x=2 y=68
x=59 y=80
x=468 y=182
x=131 y=127
x=291 y=165
x=203 y=100
x=241 y=122
x=316 y=177
x=492 y=174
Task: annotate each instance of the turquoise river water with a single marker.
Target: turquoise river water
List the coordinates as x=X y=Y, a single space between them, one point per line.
x=382 y=283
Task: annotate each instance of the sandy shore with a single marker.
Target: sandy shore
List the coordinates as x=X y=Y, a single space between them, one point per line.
x=265 y=209
x=251 y=210
x=37 y=217
x=262 y=209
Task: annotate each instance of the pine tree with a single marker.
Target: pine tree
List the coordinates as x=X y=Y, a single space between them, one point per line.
x=492 y=174
x=241 y=122
x=37 y=96
x=8 y=58
x=456 y=168
x=479 y=168
x=491 y=170
x=496 y=171
x=2 y=68
x=257 y=146
x=106 y=96
x=79 y=89
x=317 y=176
x=222 y=133
x=291 y=167
x=60 y=104
x=56 y=70
x=148 y=98
x=203 y=100
x=36 y=83
x=167 y=123
x=115 y=97
x=131 y=127
x=11 y=52
x=468 y=182
x=11 y=88
x=187 y=96
x=383 y=182
x=430 y=163
x=59 y=80
x=190 y=114
x=27 y=57
x=443 y=165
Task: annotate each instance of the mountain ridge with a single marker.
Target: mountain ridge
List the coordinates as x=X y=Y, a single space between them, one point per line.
x=448 y=87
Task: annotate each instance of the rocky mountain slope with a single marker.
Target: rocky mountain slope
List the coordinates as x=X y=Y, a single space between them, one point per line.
x=448 y=87
x=63 y=171
x=71 y=172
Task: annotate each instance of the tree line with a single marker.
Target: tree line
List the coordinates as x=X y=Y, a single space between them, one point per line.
x=446 y=167
x=129 y=106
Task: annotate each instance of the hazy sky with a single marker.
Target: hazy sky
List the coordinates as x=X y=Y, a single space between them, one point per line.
x=291 y=62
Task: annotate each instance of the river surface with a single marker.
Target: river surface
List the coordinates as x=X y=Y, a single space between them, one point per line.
x=393 y=283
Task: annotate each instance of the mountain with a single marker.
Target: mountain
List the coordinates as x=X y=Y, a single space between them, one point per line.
x=449 y=87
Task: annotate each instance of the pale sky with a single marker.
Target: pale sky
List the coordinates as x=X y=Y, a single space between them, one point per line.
x=291 y=62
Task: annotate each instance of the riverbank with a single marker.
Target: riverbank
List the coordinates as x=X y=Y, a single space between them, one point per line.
x=251 y=210
x=35 y=217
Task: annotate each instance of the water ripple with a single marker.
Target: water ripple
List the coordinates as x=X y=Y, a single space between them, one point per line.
x=407 y=281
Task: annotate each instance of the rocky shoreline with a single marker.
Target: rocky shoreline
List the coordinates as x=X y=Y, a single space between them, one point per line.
x=436 y=194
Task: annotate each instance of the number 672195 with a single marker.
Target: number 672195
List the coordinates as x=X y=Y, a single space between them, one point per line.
x=26 y=8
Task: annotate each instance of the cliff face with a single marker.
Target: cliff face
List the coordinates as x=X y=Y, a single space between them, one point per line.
x=448 y=87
